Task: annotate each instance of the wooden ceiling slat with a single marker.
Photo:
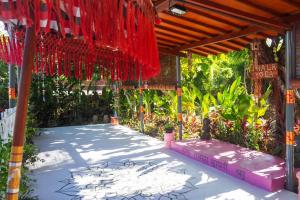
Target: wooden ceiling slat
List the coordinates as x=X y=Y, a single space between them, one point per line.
x=174 y=41
x=241 y=15
x=202 y=53
x=178 y=32
x=220 y=38
x=171 y=36
x=216 y=48
x=260 y=7
x=220 y=20
x=199 y=23
x=170 y=44
x=214 y=18
x=164 y=46
x=196 y=30
x=171 y=52
x=234 y=43
x=209 y=50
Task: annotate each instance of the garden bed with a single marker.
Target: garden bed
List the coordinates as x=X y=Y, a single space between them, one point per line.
x=257 y=168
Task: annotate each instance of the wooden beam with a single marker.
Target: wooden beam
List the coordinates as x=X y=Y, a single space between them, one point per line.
x=235 y=43
x=211 y=50
x=220 y=38
x=226 y=46
x=239 y=14
x=162 y=5
x=171 y=52
x=216 y=48
x=200 y=52
x=170 y=36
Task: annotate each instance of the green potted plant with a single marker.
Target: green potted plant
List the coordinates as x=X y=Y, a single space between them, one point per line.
x=169 y=128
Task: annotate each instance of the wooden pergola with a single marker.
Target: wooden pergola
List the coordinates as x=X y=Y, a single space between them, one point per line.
x=206 y=27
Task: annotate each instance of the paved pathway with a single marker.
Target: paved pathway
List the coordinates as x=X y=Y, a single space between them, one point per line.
x=115 y=163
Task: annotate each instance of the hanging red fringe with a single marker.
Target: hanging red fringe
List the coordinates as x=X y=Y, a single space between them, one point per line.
x=76 y=37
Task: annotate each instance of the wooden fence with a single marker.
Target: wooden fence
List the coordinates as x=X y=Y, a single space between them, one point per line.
x=7 y=122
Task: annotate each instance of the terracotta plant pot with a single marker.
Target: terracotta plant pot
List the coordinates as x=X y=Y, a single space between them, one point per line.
x=114 y=120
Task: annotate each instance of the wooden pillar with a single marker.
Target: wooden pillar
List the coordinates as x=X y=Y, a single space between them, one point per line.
x=141 y=103
x=15 y=162
x=12 y=77
x=289 y=113
x=115 y=87
x=11 y=86
x=179 y=94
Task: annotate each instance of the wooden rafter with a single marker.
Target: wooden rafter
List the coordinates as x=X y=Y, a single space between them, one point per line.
x=216 y=48
x=171 y=52
x=220 y=38
x=241 y=15
x=201 y=52
x=227 y=46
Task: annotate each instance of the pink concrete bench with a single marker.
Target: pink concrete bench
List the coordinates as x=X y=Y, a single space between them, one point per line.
x=260 y=169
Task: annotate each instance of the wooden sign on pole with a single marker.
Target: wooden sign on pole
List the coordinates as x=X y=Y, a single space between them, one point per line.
x=265 y=71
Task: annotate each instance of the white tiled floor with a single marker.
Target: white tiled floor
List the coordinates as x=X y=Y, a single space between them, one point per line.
x=113 y=162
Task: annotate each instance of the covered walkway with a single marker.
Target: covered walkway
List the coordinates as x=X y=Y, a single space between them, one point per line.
x=113 y=162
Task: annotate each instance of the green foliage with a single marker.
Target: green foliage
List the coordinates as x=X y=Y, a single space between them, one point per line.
x=3 y=86
x=214 y=87
x=29 y=157
x=61 y=101
x=169 y=127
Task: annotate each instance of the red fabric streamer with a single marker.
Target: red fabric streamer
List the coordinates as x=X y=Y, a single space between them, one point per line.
x=115 y=36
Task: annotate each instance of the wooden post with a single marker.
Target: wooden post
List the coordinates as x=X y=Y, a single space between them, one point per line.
x=289 y=114
x=179 y=94
x=141 y=104
x=12 y=77
x=11 y=86
x=15 y=163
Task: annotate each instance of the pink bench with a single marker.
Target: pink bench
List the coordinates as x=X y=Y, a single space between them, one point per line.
x=260 y=169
